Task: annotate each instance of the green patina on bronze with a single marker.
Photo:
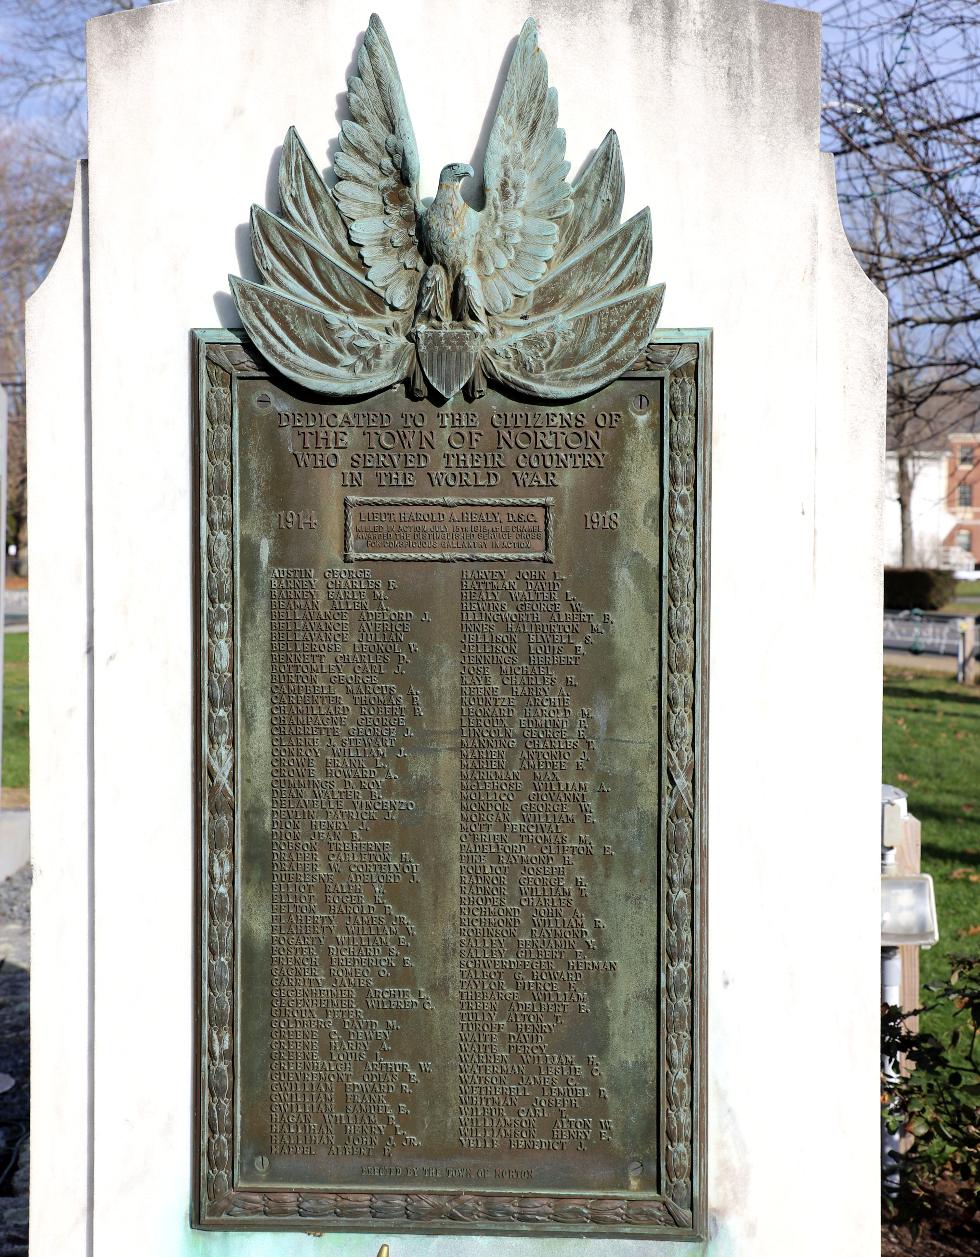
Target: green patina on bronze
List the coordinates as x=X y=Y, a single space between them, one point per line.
x=451 y=700
x=367 y=284
x=617 y=535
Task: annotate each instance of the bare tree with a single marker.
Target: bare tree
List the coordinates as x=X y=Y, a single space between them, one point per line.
x=16 y=464
x=42 y=133
x=902 y=115
x=42 y=66
x=34 y=204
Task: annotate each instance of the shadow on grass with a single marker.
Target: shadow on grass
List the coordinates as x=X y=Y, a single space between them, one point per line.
x=944 y=814
x=926 y=696
x=965 y=856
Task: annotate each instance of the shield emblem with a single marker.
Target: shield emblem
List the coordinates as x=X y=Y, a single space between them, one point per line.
x=448 y=356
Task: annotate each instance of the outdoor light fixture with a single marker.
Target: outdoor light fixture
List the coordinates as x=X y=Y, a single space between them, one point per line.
x=908 y=918
x=908 y=911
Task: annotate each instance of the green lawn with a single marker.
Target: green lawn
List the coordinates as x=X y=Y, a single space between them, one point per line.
x=931 y=750
x=966 y=600
x=962 y=606
x=15 y=711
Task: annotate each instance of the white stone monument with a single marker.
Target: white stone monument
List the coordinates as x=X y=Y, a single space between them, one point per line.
x=716 y=103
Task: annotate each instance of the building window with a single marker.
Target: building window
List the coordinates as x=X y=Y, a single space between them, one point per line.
x=964 y=495
x=966 y=455
x=963 y=539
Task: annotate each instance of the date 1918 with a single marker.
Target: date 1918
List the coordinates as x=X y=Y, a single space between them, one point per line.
x=602 y=519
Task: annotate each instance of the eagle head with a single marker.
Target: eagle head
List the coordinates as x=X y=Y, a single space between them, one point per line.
x=456 y=173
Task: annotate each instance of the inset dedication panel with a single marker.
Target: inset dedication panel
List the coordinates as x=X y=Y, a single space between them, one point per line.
x=450 y=713
x=448 y=529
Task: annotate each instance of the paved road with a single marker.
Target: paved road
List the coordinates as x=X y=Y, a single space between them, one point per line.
x=921 y=663
x=15 y=610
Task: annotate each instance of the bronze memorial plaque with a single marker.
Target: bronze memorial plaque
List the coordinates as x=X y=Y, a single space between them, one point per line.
x=452 y=609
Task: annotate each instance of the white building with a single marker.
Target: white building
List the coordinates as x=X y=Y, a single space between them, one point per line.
x=931 y=521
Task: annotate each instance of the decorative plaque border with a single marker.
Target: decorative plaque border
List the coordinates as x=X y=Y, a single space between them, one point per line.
x=682 y=359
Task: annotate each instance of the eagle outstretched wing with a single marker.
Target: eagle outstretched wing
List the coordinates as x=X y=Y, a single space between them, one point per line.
x=317 y=317
x=378 y=165
x=524 y=180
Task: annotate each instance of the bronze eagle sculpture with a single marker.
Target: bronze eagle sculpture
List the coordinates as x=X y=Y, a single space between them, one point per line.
x=367 y=284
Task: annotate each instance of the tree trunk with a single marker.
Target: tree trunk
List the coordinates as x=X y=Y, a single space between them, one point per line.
x=906 y=480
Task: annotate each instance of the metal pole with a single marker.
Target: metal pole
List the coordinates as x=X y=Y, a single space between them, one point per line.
x=961 y=654
x=965 y=661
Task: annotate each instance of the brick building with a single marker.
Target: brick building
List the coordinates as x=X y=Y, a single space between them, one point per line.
x=963 y=492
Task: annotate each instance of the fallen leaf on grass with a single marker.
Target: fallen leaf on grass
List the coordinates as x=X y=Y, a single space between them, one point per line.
x=969 y=931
